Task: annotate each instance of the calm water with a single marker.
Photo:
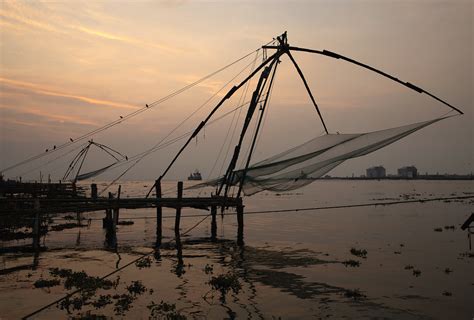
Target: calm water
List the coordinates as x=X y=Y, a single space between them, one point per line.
x=290 y=267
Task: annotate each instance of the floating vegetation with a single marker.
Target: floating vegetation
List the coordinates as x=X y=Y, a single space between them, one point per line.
x=63 y=226
x=143 y=263
x=351 y=263
x=123 y=303
x=361 y=253
x=225 y=283
x=416 y=272
x=136 y=288
x=467 y=255
x=42 y=283
x=447 y=293
x=397 y=252
x=89 y=316
x=449 y=228
x=125 y=223
x=164 y=311
x=448 y=271
x=103 y=301
x=438 y=229
x=409 y=267
x=209 y=269
x=355 y=294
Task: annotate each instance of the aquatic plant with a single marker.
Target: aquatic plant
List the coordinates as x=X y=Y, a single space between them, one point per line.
x=143 y=263
x=467 y=254
x=42 y=283
x=416 y=272
x=449 y=228
x=89 y=316
x=224 y=283
x=361 y=253
x=447 y=293
x=136 y=288
x=63 y=226
x=438 y=229
x=209 y=269
x=355 y=294
x=164 y=311
x=103 y=301
x=123 y=303
x=409 y=267
x=351 y=263
x=448 y=271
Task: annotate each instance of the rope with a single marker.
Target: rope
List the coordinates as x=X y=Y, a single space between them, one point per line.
x=149 y=151
x=128 y=116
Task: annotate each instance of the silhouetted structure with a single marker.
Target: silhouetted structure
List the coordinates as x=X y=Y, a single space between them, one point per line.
x=376 y=172
x=408 y=172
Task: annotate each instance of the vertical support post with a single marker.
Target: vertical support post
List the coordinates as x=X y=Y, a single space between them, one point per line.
x=117 y=206
x=240 y=222
x=94 y=191
x=159 y=213
x=108 y=214
x=213 y=223
x=178 y=209
x=74 y=189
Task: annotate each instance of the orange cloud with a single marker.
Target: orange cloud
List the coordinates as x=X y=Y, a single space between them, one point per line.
x=125 y=39
x=45 y=91
x=59 y=118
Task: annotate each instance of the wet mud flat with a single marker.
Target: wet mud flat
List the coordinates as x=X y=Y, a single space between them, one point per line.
x=381 y=262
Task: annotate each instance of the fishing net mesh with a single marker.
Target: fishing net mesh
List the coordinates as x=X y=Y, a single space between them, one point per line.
x=301 y=165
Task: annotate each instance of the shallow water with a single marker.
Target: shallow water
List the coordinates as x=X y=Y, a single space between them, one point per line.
x=290 y=266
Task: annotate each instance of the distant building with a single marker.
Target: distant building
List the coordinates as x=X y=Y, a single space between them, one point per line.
x=409 y=172
x=376 y=172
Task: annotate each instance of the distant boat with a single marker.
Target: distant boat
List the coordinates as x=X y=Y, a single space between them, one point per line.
x=196 y=175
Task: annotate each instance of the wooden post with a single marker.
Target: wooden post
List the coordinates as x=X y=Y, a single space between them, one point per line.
x=106 y=222
x=94 y=191
x=240 y=222
x=159 y=213
x=178 y=209
x=213 y=223
x=117 y=207
x=74 y=189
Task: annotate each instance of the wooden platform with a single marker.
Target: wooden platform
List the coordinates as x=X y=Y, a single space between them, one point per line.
x=47 y=205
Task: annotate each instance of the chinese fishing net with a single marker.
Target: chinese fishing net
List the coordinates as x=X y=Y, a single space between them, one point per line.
x=301 y=165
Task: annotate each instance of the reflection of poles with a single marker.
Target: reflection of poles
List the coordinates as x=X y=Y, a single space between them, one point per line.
x=213 y=223
x=110 y=225
x=179 y=254
x=240 y=222
x=36 y=232
x=159 y=214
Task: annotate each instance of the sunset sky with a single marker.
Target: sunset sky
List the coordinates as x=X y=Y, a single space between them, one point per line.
x=69 y=67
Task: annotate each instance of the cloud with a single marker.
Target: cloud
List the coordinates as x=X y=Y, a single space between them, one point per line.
x=41 y=16
x=38 y=89
x=44 y=115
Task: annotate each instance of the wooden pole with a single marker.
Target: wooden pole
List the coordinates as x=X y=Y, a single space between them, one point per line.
x=240 y=222
x=159 y=213
x=213 y=223
x=178 y=209
x=94 y=191
x=117 y=207
x=108 y=213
